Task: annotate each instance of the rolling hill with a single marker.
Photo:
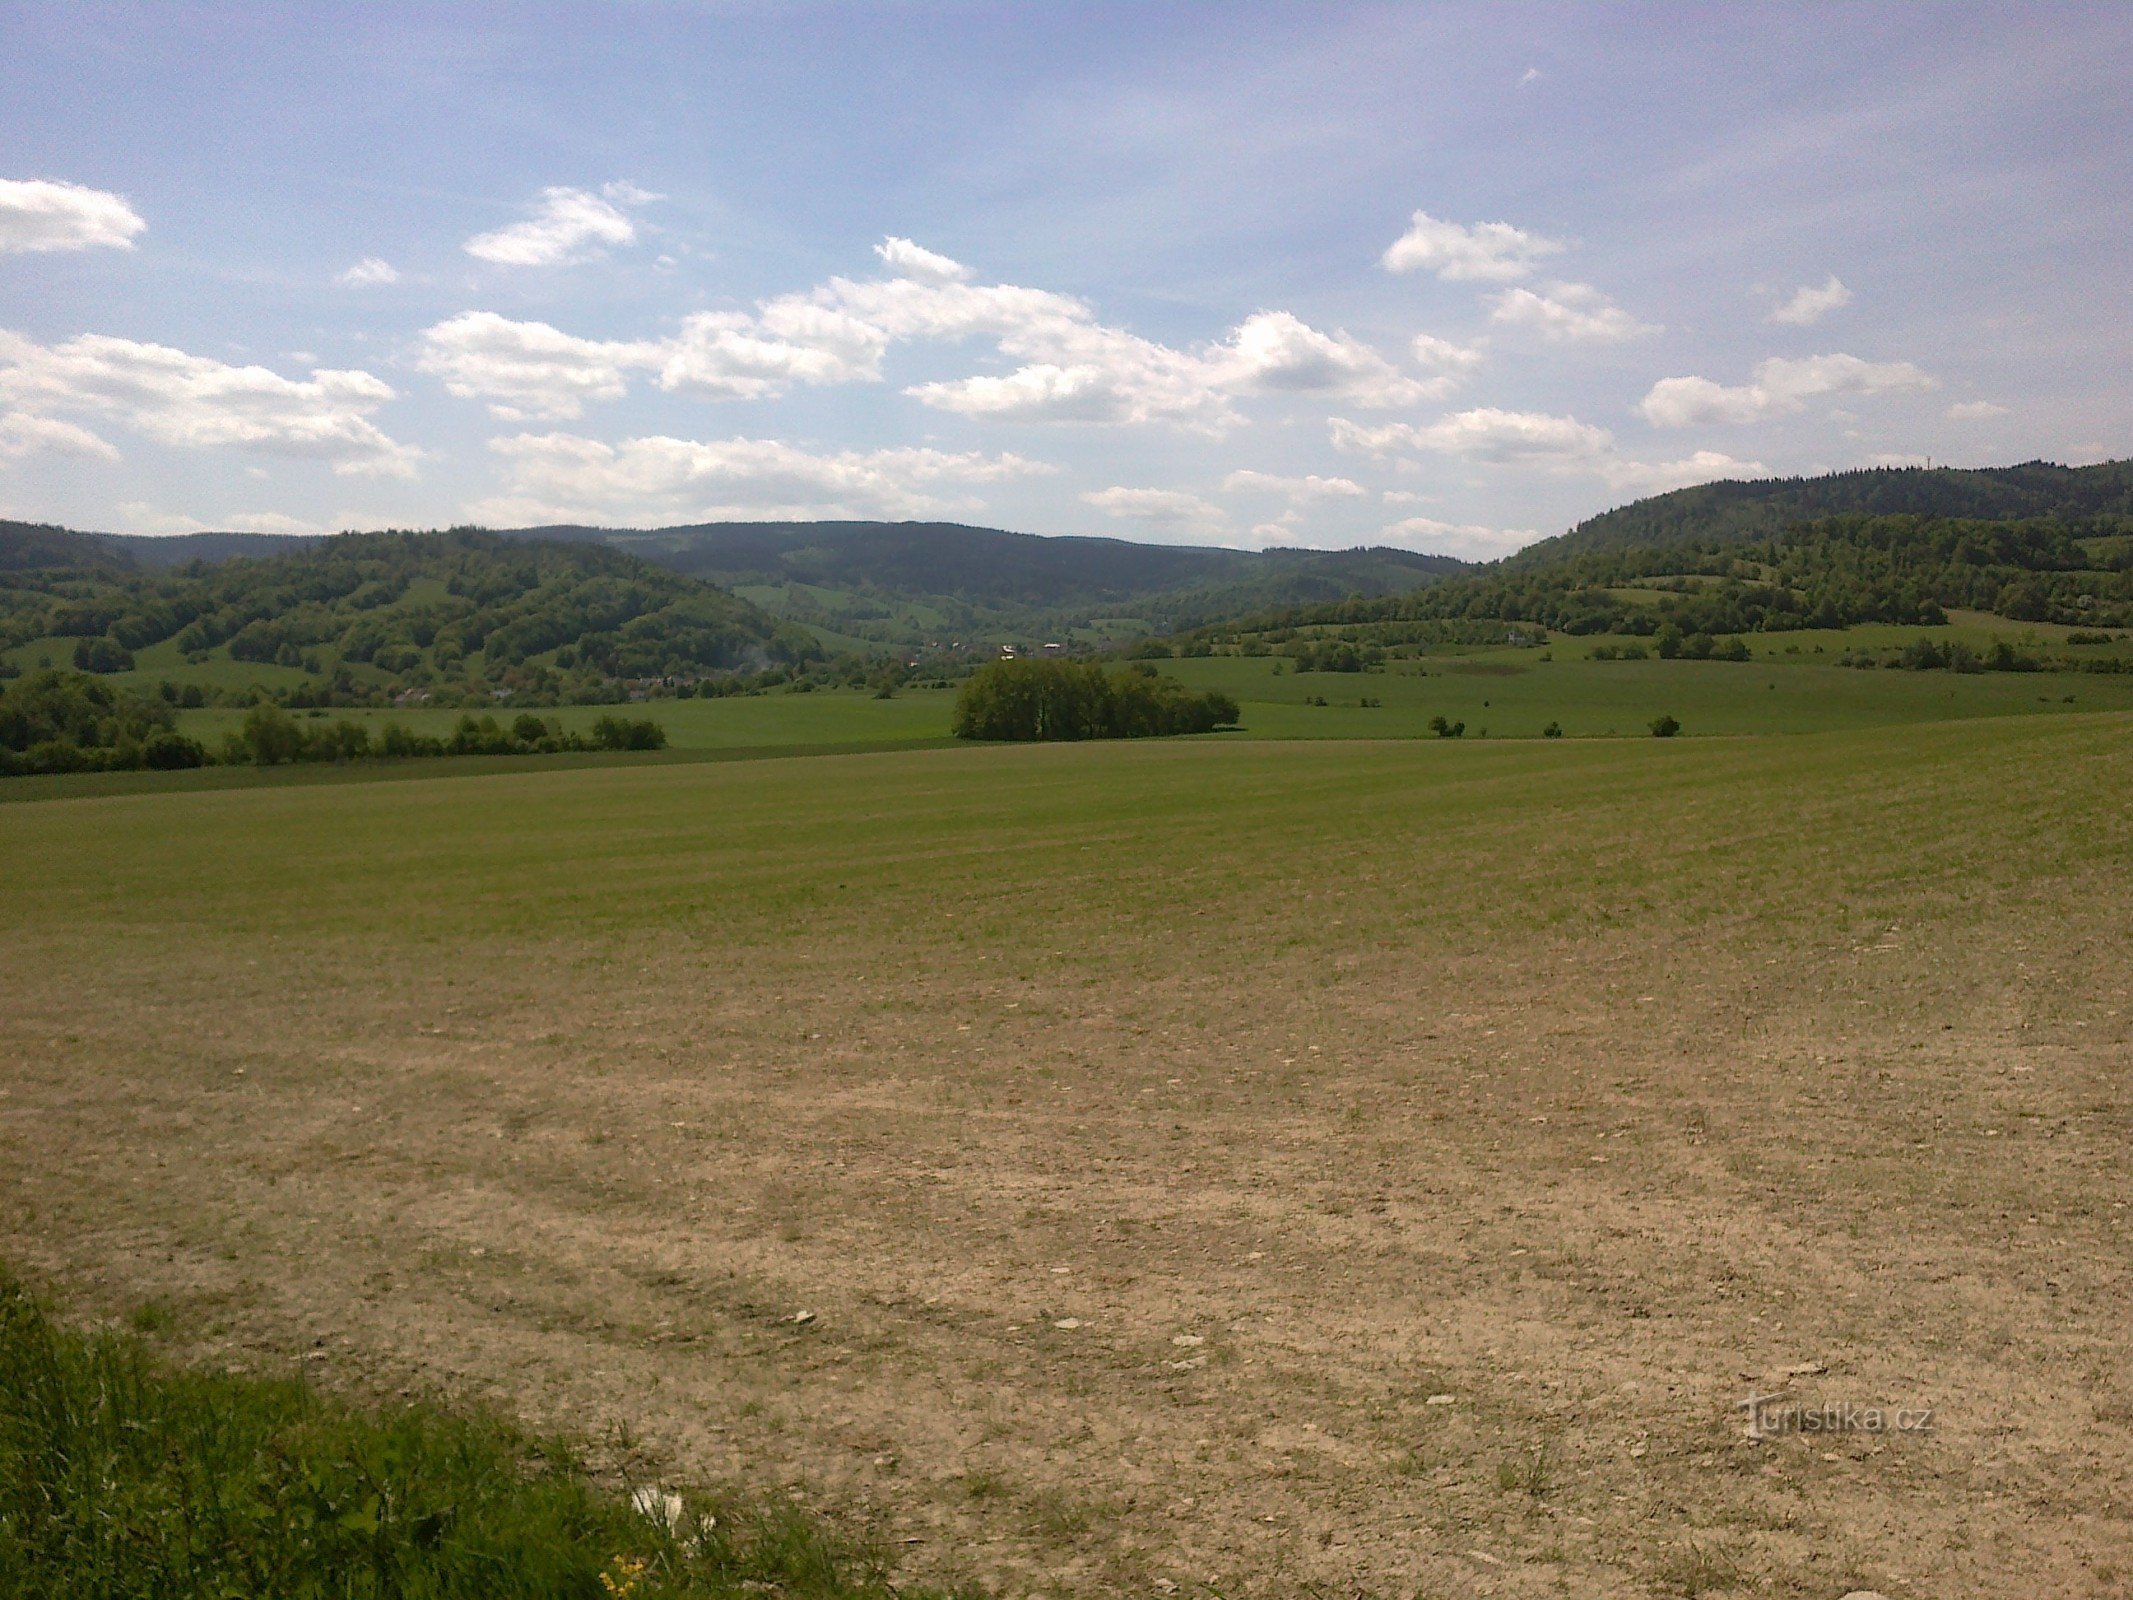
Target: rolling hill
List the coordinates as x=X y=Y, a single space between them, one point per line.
x=1736 y=511
x=466 y=611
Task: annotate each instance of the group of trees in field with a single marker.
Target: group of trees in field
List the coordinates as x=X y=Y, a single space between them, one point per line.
x=1081 y=700
x=271 y=737
x=55 y=721
x=58 y=721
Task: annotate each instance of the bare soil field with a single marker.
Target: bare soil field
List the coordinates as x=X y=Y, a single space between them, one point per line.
x=1247 y=1169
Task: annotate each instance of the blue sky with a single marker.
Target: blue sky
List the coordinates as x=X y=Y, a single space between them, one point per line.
x=1447 y=277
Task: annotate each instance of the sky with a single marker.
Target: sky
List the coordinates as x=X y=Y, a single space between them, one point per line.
x=1445 y=277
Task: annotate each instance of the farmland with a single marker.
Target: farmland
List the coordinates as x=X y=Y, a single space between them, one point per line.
x=1242 y=1163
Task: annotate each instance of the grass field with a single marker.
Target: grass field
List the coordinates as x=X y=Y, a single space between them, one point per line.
x=1257 y=1167
x=1510 y=693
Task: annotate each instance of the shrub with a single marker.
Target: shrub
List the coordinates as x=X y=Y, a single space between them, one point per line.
x=1043 y=700
x=614 y=733
x=1665 y=727
x=1554 y=730
x=102 y=654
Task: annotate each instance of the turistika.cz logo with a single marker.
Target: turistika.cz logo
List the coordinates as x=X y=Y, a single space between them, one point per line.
x=1772 y=1416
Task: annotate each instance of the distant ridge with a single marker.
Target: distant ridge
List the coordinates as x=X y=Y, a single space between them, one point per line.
x=1736 y=510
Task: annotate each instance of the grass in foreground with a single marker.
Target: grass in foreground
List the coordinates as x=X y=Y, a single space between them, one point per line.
x=120 y=1476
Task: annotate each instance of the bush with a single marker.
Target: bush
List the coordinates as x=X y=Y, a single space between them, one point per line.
x=102 y=654
x=1043 y=700
x=1554 y=730
x=1665 y=727
x=614 y=733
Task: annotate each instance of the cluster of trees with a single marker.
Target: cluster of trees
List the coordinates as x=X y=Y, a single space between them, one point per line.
x=69 y=722
x=57 y=721
x=1082 y=700
x=271 y=737
x=1931 y=655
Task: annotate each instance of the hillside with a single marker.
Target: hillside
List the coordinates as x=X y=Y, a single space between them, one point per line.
x=1732 y=512
x=907 y=584
x=895 y=585
x=462 y=611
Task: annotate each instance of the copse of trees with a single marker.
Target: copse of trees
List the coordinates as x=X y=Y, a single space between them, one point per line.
x=1028 y=700
x=271 y=737
x=57 y=721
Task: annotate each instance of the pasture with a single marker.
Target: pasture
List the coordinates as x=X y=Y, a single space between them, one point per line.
x=1227 y=1166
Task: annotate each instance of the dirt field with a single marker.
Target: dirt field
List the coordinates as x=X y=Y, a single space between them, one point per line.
x=1248 y=1169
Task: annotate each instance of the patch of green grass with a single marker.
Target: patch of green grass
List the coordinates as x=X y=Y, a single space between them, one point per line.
x=121 y=1476
x=1515 y=693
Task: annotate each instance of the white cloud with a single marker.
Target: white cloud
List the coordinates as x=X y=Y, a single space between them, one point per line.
x=1533 y=439
x=195 y=402
x=560 y=477
x=729 y=355
x=24 y=435
x=1810 y=305
x=1443 y=356
x=1974 y=411
x=368 y=272
x=1569 y=313
x=1468 y=540
x=1309 y=487
x=37 y=214
x=1486 y=433
x=1070 y=366
x=1781 y=388
x=1656 y=477
x=570 y=225
x=1275 y=352
x=908 y=260
x=1488 y=252
x=1897 y=458
x=529 y=369
x=1171 y=510
x=1530 y=75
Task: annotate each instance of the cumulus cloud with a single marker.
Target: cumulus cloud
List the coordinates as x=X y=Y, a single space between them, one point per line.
x=1308 y=487
x=24 y=435
x=1171 y=510
x=1781 y=388
x=1444 y=357
x=37 y=214
x=196 y=402
x=1533 y=439
x=909 y=260
x=1068 y=366
x=1486 y=433
x=1656 y=477
x=561 y=477
x=529 y=369
x=1275 y=352
x=369 y=272
x=568 y=226
x=1974 y=411
x=1568 y=313
x=1470 y=541
x=1809 y=305
x=1487 y=252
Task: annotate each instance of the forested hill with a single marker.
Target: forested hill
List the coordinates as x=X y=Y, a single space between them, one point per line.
x=1734 y=512
x=463 y=609
x=902 y=585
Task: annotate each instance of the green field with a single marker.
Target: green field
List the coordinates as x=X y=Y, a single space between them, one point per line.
x=1260 y=1166
x=1508 y=693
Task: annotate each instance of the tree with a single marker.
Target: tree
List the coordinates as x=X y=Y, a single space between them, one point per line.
x=1665 y=727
